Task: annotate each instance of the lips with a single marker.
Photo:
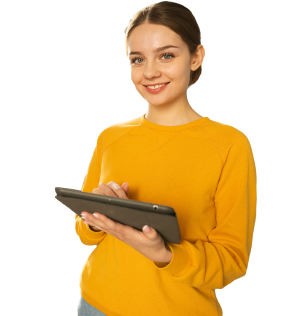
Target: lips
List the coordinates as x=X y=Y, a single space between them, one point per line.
x=157 y=90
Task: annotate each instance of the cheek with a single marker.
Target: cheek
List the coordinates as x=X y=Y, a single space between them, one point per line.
x=176 y=72
x=136 y=75
x=180 y=76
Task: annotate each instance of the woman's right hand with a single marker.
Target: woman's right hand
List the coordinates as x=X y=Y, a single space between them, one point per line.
x=113 y=189
x=110 y=189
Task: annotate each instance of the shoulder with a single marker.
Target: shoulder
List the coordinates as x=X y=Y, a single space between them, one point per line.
x=224 y=133
x=227 y=140
x=119 y=129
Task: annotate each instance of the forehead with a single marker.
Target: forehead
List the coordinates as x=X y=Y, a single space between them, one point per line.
x=152 y=36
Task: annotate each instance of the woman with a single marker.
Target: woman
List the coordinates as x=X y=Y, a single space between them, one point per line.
x=173 y=156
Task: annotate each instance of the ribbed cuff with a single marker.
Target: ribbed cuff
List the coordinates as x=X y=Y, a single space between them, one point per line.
x=91 y=234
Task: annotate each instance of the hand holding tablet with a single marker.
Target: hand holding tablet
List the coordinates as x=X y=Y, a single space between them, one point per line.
x=133 y=213
x=149 y=243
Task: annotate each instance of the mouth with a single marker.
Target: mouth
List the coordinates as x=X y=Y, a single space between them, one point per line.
x=158 y=84
x=156 y=90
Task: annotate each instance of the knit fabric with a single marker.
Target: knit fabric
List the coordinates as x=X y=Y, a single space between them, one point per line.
x=206 y=171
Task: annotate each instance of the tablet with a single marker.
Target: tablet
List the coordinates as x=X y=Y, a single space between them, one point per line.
x=125 y=211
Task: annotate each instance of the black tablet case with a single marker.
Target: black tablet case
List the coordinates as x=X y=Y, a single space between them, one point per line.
x=165 y=224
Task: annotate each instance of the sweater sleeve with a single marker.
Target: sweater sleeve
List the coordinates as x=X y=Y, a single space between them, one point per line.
x=91 y=181
x=215 y=263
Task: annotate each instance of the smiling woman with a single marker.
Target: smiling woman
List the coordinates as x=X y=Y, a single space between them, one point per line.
x=185 y=27
x=166 y=59
x=173 y=156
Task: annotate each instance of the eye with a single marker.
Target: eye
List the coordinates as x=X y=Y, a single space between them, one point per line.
x=165 y=54
x=134 y=59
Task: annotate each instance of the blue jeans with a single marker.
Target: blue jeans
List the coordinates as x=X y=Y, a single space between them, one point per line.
x=85 y=309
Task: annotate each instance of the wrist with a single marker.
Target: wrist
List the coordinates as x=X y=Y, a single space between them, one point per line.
x=169 y=254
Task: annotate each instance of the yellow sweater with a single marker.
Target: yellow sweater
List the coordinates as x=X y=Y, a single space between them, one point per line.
x=206 y=171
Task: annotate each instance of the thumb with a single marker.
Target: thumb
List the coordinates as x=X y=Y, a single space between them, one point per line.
x=148 y=230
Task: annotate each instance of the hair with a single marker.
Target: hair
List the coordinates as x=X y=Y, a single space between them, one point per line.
x=176 y=17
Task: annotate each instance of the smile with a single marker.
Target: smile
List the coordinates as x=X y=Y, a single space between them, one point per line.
x=157 y=88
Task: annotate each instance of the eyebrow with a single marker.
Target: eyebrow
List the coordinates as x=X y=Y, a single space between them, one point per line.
x=156 y=50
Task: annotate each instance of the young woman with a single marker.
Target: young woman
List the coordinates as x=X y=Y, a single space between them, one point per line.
x=173 y=156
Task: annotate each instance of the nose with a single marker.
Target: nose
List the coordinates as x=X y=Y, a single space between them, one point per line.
x=151 y=70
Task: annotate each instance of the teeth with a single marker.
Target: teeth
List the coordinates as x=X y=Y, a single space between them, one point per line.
x=157 y=86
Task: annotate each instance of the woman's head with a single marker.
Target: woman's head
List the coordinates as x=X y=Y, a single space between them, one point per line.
x=158 y=25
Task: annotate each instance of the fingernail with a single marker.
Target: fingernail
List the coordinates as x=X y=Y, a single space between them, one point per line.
x=147 y=229
x=96 y=215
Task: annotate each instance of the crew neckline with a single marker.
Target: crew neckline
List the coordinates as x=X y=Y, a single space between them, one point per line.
x=176 y=128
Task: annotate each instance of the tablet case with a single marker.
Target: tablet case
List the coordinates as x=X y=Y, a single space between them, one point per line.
x=165 y=224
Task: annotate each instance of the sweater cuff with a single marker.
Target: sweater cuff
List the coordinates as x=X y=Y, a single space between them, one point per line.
x=181 y=260
x=91 y=232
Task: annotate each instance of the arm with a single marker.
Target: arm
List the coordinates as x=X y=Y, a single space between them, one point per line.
x=167 y=258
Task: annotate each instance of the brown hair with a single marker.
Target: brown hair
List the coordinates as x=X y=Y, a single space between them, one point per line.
x=175 y=16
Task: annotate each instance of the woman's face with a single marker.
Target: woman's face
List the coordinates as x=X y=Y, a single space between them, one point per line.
x=149 y=66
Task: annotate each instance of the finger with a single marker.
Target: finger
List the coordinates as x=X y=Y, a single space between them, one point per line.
x=125 y=186
x=106 y=190
x=90 y=220
x=85 y=214
x=117 y=189
x=105 y=223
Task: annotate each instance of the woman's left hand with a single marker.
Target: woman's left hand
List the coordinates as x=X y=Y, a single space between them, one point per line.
x=148 y=243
